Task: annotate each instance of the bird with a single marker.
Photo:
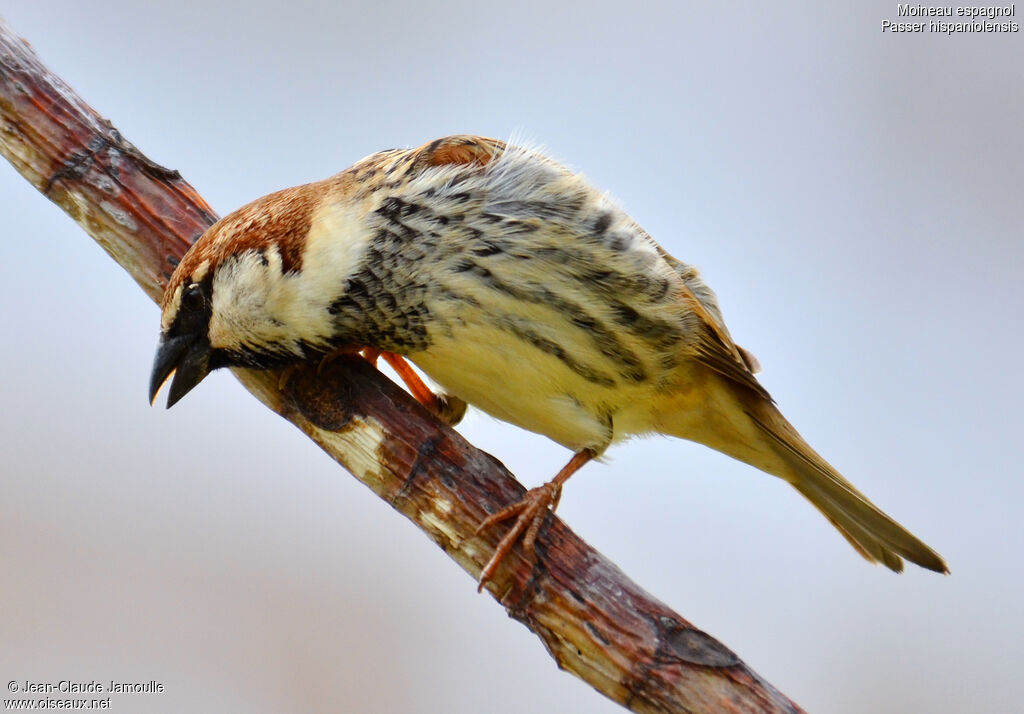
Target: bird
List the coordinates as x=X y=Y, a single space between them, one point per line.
x=518 y=288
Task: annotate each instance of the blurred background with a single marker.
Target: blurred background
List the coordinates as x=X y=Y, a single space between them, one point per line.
x=853 y=197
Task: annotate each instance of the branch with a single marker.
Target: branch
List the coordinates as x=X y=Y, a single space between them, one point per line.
x=593 y=620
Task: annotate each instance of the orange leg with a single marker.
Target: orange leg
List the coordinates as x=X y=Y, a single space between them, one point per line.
x=412 y=380
x=449 y=408
x=529 y=514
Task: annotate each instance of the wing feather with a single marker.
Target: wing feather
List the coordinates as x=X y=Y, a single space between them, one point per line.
x=714 y=348
x=457 y=150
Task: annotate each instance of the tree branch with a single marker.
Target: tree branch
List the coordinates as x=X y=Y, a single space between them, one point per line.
x=593 y=620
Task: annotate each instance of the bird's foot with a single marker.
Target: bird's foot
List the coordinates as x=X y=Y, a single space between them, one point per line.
x=448 y=408
x=529 y=513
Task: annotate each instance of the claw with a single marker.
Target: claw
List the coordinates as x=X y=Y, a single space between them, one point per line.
x=450 y=409
x=530 y=514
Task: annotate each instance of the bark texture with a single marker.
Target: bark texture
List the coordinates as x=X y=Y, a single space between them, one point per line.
x=592 y=619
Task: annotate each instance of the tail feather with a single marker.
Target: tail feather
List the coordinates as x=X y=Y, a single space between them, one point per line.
x=855 y=534
x=763 y=438
x=878 y=536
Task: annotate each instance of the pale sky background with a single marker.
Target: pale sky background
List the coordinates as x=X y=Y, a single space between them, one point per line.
x=853 y=197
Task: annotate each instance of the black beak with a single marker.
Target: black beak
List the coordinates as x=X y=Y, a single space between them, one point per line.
x=188 y=357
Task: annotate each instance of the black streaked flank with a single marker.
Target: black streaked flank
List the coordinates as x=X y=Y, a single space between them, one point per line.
x=552 y=348
x=659 y=333
x=611 y=283
x=488 y=248
x=395 y=208
x=629 y=365
x=476 y=232
x=618 y=242
x=560 y=211
x=517 y=227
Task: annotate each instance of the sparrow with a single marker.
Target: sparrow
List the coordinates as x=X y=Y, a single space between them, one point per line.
x=518 y=288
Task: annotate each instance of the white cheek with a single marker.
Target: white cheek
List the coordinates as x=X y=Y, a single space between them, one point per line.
x=335 y=245
x=246 y=296
x=254 y=305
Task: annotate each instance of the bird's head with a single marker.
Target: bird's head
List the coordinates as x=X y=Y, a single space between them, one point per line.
x=255 y=290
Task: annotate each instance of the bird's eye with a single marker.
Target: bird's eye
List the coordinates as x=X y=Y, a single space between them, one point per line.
x=192 y=299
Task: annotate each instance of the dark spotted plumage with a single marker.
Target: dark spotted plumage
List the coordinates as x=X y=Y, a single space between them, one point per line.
x=519 y=288
x=473 y=225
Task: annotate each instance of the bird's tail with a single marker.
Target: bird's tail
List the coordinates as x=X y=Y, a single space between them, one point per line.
x=747 y=426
